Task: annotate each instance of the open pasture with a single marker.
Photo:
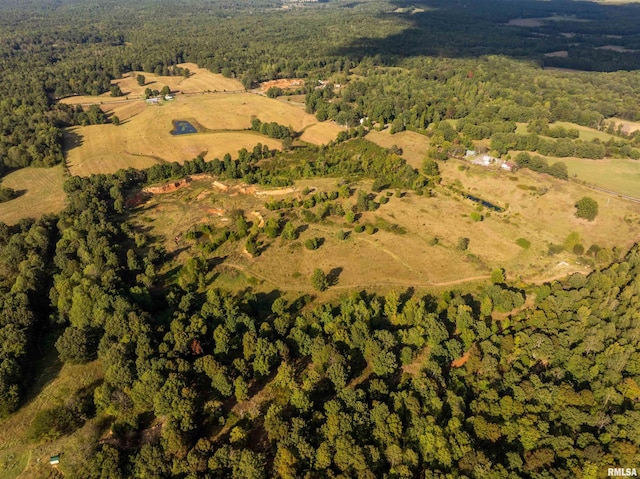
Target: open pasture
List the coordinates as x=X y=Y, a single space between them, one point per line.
x=542 y=219
x=200 y=80
x=617 y=174
x=40 y=192
x=422 y=251
x=384 y=259
x=414 y=145
x=321 y=133
x=586 y=133
x=143 y=138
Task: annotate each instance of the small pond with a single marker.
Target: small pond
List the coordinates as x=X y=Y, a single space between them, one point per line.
x=181 y=127
x=483 y=202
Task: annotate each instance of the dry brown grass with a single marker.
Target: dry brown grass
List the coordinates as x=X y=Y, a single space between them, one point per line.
x=144 y=138
x=40 y=193
x=540 y=219
x=414 y=145
x=387 y=260
x=321 y=133
x=199 y=81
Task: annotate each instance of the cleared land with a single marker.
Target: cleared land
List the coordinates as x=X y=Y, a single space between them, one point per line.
x=200 y=80
x=40 y=191
x=362 y=260
x=144 y=138
x=409 y=257
x=541 y=219
x=321 y=133
x=20 y=457
x=414 y=145
x=586 y=133
x=617 y=174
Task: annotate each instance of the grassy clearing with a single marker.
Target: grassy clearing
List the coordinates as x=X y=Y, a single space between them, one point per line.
x=414 y=145
x=199 y=81
x=40 y=193
x=20 y=457
x=287 y=265
x=387 y=259
x=541 y=220
x=586 y=133
x=321 y=133
x=617 y=174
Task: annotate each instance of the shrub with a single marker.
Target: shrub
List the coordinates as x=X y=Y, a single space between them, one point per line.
x=6 y=194
x=523 y=243
x=587 y=208
x=476 y=216
x=52 y=423
x=370 y=229
x=555 y=249
x=312 y=243
x=462 y=244
x=359 y=228
x=319 y=280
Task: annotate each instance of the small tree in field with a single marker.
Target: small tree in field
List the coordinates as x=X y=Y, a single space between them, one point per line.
x=141 y=80
x=319 y=280
x=587 y=208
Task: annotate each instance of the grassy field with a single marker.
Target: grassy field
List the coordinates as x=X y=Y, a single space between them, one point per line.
x=392 y=259
x=144 y=138
x=199 y=81
x=617 y=174
x=40 y=191
x=321 y=133
x=541 y=219
x=586 y=133
x=24 y=458
x=414 y=145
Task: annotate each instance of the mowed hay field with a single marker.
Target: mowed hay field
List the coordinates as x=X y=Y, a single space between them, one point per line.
x=414 y=145
x=40 y=192
x=144 y=138
x=321 y=133
x=621 y=175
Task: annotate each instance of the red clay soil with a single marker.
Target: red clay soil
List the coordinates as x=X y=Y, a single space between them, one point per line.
x=285 y=84
x=168 y=188
x=458 y=363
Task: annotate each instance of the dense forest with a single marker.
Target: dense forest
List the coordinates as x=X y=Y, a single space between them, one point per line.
x=507 y=381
